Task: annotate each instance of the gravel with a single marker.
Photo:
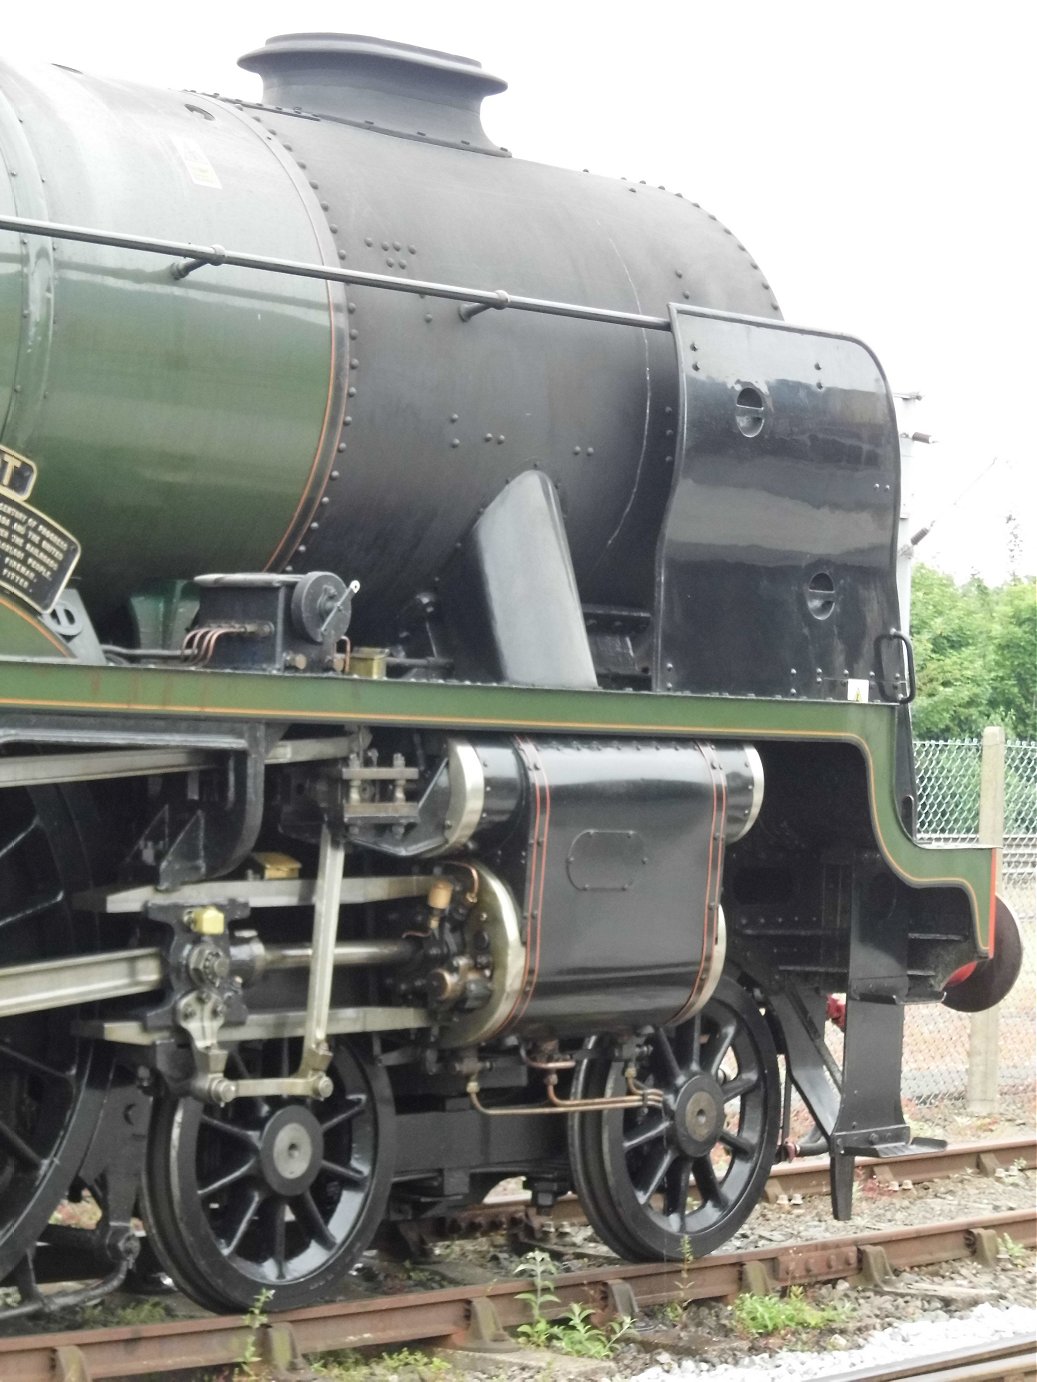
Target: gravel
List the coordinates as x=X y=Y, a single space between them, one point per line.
x=940 y=1334
x=925 y=1311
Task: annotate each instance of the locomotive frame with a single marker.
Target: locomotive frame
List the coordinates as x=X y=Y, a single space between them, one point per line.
x=566 y=877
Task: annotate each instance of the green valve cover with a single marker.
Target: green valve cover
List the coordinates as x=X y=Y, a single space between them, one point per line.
x=178 y=427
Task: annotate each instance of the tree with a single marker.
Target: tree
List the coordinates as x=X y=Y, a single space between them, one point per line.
x=975 y=654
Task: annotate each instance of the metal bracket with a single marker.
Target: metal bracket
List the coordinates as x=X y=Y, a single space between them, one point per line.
x=757 y=1279
x=485 y=1333
x=70 y=1365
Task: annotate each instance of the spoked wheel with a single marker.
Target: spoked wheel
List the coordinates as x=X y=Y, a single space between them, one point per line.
x=660 y=1181
x=51 y=1082
x=271 y=1194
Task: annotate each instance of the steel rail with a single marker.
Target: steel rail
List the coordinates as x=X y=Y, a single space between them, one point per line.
x=1014 y=1358
x=807 y=1178
x=190 y=257
x=474 y=1315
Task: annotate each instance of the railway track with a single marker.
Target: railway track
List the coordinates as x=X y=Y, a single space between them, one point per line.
x=477 y=1316
x=807 y=1177
x=1014 y=1360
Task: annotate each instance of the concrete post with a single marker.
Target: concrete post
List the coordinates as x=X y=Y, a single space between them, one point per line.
x=982 y=1092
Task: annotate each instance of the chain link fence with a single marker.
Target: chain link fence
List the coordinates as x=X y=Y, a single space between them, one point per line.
x=936 y=1046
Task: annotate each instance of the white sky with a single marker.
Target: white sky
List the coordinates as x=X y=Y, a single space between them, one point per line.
x=876 y=157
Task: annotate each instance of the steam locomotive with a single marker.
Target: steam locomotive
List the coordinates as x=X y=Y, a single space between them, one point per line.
x=454 y=698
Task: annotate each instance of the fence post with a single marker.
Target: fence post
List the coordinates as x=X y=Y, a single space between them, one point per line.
x=981 y=1096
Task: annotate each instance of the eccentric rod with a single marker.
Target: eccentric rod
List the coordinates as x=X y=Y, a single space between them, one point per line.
x=191 y=257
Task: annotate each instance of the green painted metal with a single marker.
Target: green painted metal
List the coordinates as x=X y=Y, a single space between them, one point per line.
x=158 y=409
x=23 y=635
x=127 y=692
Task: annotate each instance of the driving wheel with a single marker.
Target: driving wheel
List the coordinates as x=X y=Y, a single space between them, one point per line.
x=270 y=1194
x=681 y=1174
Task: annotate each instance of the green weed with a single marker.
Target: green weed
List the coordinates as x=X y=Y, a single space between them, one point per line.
x=573 y=1333
x=1016 y=1254
x=348 y=1366
x=106 y=1315
x=783 y=1314
x=255 y=1318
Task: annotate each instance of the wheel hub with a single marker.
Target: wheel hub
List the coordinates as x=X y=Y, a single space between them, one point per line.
x=291 y=1150
x=698 y=1115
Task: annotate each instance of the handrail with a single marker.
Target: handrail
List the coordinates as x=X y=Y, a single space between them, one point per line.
x=190 y=257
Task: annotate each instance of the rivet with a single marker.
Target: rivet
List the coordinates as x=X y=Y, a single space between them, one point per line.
x=324 y=500
x=500 y=441
x=314 y=526
x=403 y=263
x=696 y=367
x=355 y=364
x=396 y=245
x=390 y=262
x=668 y=460
x=669 y=431
x=686 y=294
x=428 y=316
x=314 y=185
x=333 y=229
x=347 y=421
x=353 y=333
x=488 y=436
x=817 y=364
x=341 y=446
x=301 y=547
x=679 y=273
x=819 y=384
x=577 y=450
x=333 y=475
x=590 y=450
x=342 y=254
x=368 y=241
x=454 y=417
x=325 y=206
x=385 y=244
x=412 y=249
x=351 y=307
x=351 y=391
x=667 y=410
x=455 y=442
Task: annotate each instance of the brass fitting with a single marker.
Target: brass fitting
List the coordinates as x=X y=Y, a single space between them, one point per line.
x=440 y=895
x=207 y=921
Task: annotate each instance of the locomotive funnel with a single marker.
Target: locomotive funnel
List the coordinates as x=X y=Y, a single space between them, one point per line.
x=394 y=88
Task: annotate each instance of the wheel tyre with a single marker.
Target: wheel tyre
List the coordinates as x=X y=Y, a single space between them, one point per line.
x=52 y=1084
x=224 y=1247
x=616 y=1155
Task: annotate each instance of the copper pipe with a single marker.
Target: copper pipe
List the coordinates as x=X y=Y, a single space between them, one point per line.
x=472 y=895
x=556 y=1105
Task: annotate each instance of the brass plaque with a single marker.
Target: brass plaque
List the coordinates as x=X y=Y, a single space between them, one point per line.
x=37 y=555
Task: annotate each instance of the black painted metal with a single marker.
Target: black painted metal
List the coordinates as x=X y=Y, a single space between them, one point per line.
x=52 y=1083
x=776 y=563
x=374 y=83
x=273 y=1194
x=616 y=867
x=510 y=601
x=660 y=1182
